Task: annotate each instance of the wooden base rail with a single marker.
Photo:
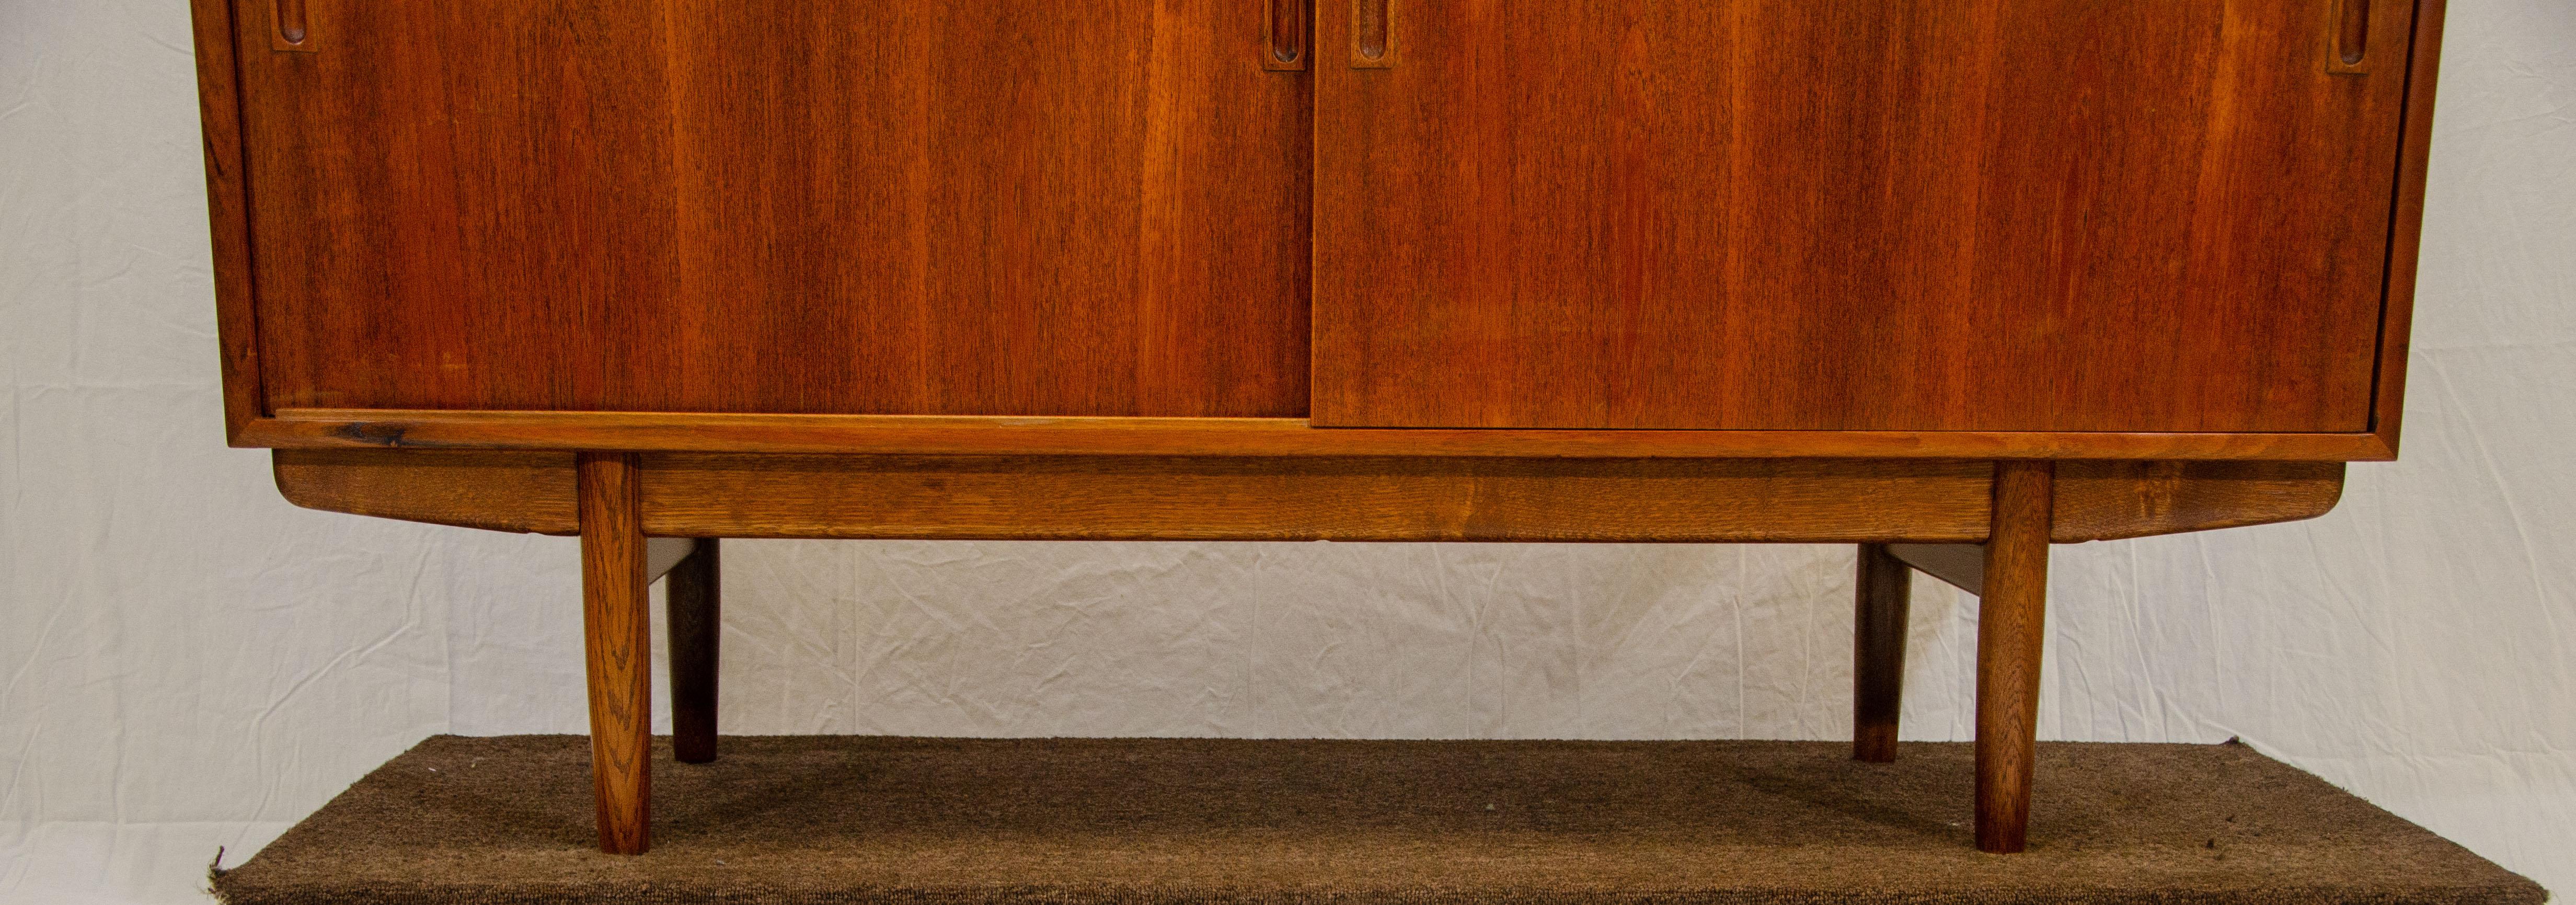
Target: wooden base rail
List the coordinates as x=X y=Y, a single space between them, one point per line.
x=1299 y=499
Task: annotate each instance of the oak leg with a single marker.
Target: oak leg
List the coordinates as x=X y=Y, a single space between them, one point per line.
x=617 y=634
x=695 y=603
x=2011 y=618
x=1878 y=652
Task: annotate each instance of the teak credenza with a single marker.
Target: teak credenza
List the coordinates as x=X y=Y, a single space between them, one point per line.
x=1952 y=280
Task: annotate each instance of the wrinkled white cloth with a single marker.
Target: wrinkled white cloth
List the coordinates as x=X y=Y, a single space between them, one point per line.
x=186 y=661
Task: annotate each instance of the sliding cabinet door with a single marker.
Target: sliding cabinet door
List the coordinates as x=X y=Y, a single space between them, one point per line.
x=2015 y=215
x=1003 y=207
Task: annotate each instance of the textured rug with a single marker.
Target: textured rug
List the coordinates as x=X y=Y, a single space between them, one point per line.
x=840 y=819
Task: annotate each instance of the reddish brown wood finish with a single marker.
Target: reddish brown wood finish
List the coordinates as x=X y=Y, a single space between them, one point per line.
x=908 y=434
x=984 y=207
x=618 y=640
x=1995 y=215
x=371 y=318
x=1885 y=592
x=228 y=213
x=2011 y=625
x=2406 y=222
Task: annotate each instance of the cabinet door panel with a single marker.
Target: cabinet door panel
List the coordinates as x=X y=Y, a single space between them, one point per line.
x=1005 y=207
x=2021 y=215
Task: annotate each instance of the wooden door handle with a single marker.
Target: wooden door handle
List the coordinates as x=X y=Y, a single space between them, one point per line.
x=293 y=31
x=1285 y=36
x=1373 y=34
x=2348 y=47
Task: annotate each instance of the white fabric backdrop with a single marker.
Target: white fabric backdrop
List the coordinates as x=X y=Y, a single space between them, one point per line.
x=187 y=662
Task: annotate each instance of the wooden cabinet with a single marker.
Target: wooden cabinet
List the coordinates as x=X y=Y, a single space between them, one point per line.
x=1970 y=272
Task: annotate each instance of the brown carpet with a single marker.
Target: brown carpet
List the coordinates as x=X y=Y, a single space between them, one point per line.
x=838 y=819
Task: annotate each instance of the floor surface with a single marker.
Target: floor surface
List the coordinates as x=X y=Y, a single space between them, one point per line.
x=853 y=819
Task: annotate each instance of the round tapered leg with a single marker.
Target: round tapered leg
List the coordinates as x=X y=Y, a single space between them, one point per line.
x=2010 y=626
x=1878 y=652
x=617 y=637
x=695 y=603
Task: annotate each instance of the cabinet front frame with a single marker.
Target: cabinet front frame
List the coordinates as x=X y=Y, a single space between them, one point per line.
x=251 y=423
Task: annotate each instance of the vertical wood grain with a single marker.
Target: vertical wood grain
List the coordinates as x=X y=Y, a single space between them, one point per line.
x=2406 y=231
x=1885 y=591
x=617 y=638
x=219 y=117
x=2034 y=215
x=694 y=598
x=2011 y=624
x=986 y=207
